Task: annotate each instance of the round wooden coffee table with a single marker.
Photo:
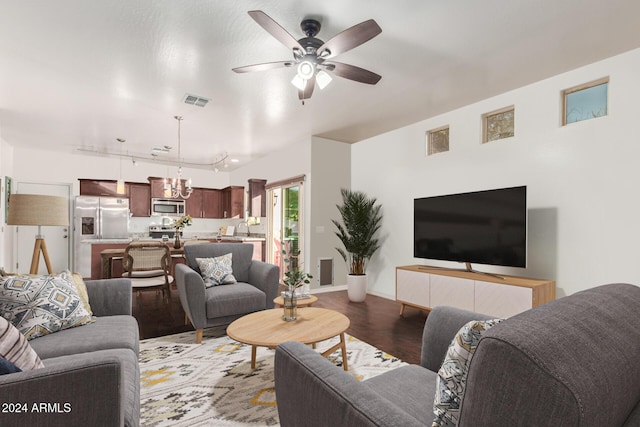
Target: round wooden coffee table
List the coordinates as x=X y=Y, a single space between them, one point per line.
x=267 y=329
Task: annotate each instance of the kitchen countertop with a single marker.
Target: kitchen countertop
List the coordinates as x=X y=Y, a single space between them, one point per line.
x=225 y=238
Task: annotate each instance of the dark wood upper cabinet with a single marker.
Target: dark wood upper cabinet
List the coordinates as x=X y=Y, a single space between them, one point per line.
x=211 y=203
x=96 y=187
x=257 y=198
x=139 y=199
x=233 y=202
x=203 y=202
x=194 y=203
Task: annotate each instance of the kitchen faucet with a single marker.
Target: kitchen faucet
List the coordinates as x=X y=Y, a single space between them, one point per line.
x=246 y=224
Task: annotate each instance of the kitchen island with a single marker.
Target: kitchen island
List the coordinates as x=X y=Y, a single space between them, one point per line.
x=106 y=255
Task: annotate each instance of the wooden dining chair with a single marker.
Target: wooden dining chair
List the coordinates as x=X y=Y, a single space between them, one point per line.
x=148 y=266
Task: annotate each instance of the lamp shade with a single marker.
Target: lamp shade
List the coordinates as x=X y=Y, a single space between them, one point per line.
x=36 y=209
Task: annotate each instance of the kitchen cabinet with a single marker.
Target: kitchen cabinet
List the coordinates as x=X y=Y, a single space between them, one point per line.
x=233 y=202
x=139 y=199
x=211 y=203
x=194 y=203
x=98 y=187
x=205 y=203
x=157 y=187
x=257 y=198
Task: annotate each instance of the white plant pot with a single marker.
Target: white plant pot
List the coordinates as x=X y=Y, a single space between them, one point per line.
x=357 y=287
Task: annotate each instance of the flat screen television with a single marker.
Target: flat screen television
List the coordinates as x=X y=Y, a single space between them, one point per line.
x=481 y=227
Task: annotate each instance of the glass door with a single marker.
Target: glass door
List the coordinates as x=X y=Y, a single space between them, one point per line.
x=285 y=226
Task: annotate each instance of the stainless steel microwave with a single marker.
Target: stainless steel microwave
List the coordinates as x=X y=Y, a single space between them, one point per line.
x=167 y=207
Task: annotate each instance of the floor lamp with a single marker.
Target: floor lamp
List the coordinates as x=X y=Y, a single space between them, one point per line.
x=35 y=209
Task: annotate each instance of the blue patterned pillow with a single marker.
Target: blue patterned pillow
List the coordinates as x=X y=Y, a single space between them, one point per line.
x=216 y=271
x=40 y=305
x=452 y=375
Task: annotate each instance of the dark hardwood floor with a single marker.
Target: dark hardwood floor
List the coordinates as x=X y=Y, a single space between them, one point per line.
x=376 y=321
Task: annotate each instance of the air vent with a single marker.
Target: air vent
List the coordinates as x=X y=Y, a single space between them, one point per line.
x=198 y=101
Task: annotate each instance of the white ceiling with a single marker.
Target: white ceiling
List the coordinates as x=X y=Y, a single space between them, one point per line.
x=81 y=73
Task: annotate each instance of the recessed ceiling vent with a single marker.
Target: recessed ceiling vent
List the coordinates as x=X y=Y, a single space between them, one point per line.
x=198 y=101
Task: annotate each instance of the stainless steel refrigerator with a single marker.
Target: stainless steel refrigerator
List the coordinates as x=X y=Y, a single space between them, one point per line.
x=97 y=218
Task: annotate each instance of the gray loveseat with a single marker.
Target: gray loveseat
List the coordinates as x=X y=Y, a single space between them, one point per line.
x=91 y=375
x=256 y=287
x=571 y=362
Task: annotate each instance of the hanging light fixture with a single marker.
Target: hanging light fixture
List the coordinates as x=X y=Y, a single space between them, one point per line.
x=120 y=183
x=176 y=183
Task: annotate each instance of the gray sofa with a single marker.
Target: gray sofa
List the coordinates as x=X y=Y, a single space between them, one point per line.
x=571 y=362
x=91 y=375
x=255 y=290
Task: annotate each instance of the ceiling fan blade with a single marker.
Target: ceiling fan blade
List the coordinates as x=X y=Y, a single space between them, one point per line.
x=352 y=72
x=350 y=38
x=263 y=67
x=273 y=28
x=308 y=89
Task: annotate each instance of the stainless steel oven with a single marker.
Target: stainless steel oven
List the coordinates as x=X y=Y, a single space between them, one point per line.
x=167 y=207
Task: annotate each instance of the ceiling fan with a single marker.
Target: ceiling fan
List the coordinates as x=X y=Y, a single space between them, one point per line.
x=312 y=56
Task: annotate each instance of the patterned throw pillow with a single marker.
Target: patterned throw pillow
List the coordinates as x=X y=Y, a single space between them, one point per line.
x=216 y=271
x=452 y=376
x=77 y=280
x=15 y=348
x=40 y=305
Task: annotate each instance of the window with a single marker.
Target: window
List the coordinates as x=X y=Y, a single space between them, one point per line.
x=498 y=124
x=585 y=102
x=437 y=140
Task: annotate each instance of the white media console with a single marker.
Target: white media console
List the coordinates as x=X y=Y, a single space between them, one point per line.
x=425 y=287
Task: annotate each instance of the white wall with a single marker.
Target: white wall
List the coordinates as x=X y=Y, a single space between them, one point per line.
x=582 y=179
x=331 y=169
x=6 y=237
x=293 y=160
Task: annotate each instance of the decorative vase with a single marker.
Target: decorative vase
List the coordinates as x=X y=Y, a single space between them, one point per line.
x=290 y=306
x=176 y=243
x=357 y=287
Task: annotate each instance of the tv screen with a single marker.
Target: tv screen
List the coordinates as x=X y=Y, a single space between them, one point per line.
x=482 y=227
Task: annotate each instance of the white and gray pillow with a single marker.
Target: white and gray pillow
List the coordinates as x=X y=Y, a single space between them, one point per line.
x=216 y=271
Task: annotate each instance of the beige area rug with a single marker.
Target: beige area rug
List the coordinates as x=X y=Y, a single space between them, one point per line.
x=186 y=384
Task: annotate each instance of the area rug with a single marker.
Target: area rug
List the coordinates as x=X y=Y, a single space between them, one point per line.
x=212 y=384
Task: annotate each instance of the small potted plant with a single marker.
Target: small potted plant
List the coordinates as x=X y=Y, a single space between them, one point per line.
x=361 y=220
x=182 y=222
x=293 y=279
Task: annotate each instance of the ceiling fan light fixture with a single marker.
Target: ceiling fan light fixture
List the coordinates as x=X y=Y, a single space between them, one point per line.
x=323 y=79
x=306 y=69
x=299 y=82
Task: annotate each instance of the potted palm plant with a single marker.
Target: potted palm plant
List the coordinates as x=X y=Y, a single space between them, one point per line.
x=361 y=220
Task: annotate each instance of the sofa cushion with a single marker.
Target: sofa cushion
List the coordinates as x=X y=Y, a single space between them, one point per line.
x=452 y=375
x=130 y=380
x=40 y=305
x=105 y=333
x=241 y=298
x=15 y=348
x=217 y=271
x=406 y=387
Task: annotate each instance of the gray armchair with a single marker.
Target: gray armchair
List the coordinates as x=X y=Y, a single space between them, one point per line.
x=255 y=290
